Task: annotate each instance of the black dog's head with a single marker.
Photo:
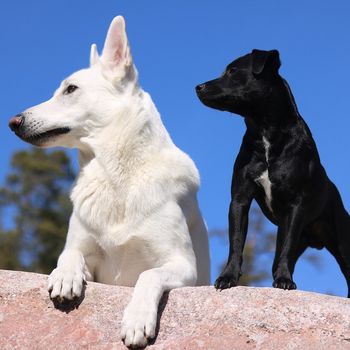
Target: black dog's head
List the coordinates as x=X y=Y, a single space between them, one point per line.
x=245 y=86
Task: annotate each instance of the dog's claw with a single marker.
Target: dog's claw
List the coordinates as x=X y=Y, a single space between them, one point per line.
x=224 y=282
x=284 y=283
x=138 y=325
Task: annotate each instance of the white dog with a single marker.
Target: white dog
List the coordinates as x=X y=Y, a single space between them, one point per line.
x=136 y=220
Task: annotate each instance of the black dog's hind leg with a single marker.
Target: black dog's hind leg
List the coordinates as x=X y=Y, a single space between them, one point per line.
x=338 y=243
x=288 y=249
x=238 y=224
x=343 y=261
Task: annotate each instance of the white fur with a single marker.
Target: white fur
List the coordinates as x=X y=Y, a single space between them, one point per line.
x=264 y=179
x=136 y=221
x=267 y=148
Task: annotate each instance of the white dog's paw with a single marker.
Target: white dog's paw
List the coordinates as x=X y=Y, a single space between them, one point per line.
x=138 y=325
x=65 y=284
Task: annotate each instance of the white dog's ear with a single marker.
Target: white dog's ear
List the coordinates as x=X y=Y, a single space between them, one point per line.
x=93 y=55
x=116 y=52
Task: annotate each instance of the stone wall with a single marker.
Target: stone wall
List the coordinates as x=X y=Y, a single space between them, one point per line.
x=191 y=318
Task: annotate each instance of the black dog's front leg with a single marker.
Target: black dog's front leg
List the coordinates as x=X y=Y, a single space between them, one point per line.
x=238 y=224
x=288 y=248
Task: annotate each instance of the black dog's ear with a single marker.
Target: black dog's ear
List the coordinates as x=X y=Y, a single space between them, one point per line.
x=265 y=60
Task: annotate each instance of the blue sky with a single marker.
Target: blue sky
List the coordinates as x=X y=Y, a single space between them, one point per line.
x=176 y=45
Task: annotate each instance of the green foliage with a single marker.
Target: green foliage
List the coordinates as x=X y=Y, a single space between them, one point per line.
x=36 y=196
x=9 y=248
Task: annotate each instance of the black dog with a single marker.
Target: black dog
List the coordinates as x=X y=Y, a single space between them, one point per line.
x=278 y=165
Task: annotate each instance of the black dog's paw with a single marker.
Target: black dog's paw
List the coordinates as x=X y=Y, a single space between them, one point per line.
x=224 y=282
x=284 y=283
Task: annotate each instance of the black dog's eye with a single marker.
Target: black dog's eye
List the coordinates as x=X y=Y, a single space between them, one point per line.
x=70 y=89
x=231 y=70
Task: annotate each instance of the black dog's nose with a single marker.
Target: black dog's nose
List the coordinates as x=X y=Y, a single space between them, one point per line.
x=16 y=122
x=200 y=87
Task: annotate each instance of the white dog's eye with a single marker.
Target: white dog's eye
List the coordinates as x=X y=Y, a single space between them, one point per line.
x=70 y=89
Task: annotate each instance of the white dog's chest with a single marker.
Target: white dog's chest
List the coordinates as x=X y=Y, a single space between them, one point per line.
x=123 y=265
x=97 y=203
x=101 y=207
x=264 y=179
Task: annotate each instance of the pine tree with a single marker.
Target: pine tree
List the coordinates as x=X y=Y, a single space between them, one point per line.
x=35 y=202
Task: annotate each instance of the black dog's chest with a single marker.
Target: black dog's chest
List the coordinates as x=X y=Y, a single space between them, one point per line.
x=261 y=173
x=279 y=176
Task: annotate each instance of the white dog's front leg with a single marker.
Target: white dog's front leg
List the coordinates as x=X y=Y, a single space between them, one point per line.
x=140 y=316
x=66 y=281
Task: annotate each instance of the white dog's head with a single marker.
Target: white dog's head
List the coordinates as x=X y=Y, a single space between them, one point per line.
x=87 y=100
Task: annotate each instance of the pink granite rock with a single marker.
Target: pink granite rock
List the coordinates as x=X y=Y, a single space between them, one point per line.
x=191 y=318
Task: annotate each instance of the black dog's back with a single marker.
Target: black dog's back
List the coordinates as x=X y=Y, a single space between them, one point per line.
x=278 y=165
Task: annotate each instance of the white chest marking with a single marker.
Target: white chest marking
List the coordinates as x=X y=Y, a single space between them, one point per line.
x=263 y=179
x=267 y=148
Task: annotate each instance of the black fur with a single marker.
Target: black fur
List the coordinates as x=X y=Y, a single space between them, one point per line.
x=306 y=206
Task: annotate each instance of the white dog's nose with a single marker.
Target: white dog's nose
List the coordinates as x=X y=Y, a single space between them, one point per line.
x=16 y=122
